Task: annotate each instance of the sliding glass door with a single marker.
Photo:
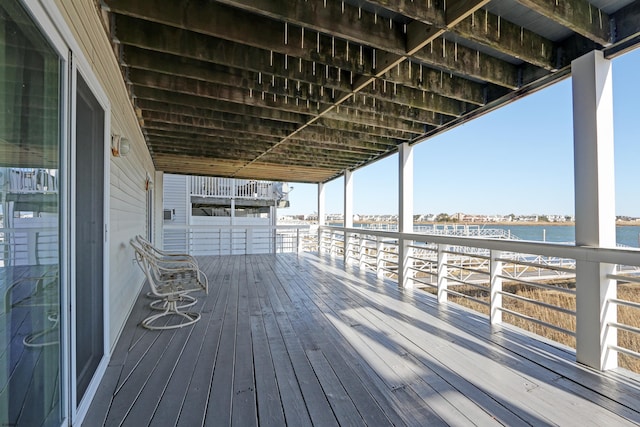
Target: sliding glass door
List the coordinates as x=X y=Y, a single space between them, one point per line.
x=31 y=375
x=89 y=202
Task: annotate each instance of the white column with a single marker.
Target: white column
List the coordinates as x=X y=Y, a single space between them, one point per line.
x=594 y=207
x=232 y=223
x=405 y=214
x=273 y=232
x=348 y=211
x=322 y=211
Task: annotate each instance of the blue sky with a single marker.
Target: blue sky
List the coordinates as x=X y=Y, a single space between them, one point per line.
x=517 y=159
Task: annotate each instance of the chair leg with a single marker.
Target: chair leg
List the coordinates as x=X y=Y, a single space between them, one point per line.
x=185 y=301
x=170 y=310
x=45 y=337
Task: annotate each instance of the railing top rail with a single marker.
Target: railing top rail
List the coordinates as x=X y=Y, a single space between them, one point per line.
x=624 y=256
x=236 y=226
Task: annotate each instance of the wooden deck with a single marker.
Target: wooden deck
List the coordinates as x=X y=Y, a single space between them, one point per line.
x=294 y=340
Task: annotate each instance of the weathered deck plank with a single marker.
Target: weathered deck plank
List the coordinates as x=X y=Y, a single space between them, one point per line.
x=195 y=400
x=291 y=340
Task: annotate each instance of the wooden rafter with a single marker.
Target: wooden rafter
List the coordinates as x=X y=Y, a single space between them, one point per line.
x=301 y=90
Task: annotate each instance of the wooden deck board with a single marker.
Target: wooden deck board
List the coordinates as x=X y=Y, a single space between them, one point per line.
x=168 y=411
x=244 y=390
x=293 y=340
x=311 y=330
x=195 y=400
x=571 y=389
x=219 y=405
x=391 y=332
x=270 y=411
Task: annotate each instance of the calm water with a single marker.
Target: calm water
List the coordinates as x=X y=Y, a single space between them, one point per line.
x=628 y=235
x=625 y=234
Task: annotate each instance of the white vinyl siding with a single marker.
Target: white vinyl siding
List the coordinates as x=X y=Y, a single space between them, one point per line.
x=127 y=198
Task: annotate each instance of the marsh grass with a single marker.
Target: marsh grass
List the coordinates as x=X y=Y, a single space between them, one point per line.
x=626 y=315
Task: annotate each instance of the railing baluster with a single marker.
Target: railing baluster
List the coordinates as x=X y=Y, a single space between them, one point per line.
x=379 y=256
x=442 y=273
x=496 y=287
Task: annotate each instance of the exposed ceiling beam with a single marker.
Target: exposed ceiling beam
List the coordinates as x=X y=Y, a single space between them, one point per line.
x=252 y=134
x=461 y=60
x=147 y=50
x=403 y=105
x=280 y=59
x=163 y=100
x=222 y=122
x=577 y=15
x=480 y=26
x=493 y=31
x=349 y=115
x=416 y=99
x=341 y=20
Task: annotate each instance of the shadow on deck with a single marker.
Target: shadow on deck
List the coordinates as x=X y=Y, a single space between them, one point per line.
x=295 y=340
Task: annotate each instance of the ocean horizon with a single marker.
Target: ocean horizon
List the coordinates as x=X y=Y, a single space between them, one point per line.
x=626 y=235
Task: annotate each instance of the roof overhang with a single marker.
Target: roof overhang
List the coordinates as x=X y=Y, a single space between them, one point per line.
x=303 y=90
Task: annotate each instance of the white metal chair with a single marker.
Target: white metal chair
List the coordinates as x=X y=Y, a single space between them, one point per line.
x=170 y=257
x=45 y=294
x=170 y=280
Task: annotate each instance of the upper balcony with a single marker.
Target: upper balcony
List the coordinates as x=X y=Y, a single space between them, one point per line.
x=229 y=188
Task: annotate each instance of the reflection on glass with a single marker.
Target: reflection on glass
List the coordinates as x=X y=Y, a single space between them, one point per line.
x=30 y=388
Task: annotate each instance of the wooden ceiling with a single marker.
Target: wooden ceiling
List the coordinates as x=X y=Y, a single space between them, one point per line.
x=300 y=90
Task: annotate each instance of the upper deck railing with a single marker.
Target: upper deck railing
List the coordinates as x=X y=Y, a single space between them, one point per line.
x=28 y=180
x=202 y=240
x=231 y=188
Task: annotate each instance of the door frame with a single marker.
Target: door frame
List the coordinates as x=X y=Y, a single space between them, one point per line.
x=78 y=412
x=55 y=29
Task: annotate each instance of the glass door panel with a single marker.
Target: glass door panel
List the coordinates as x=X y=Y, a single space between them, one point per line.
x=89 y=325
x=30 y=140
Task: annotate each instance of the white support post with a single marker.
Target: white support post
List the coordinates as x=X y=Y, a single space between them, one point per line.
x=496 y=288
x=273 y=231
x=443 y=271
x=594 y=207
x=405 y=214
x=322 y=208
x=348 y=212
x=232 y=220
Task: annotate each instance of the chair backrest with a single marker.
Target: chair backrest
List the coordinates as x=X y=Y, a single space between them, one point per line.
x=163 y=255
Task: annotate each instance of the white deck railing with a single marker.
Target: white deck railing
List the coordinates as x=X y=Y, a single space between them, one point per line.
x=30 y=180
x=529 y=284
x=29 y=246
x=205 y=186
x=238 y=239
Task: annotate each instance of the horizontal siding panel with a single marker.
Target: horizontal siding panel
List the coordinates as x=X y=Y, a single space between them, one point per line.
x=127 y=194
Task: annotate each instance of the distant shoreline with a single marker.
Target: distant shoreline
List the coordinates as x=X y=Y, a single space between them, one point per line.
x=502 y=223
x=530 y=223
